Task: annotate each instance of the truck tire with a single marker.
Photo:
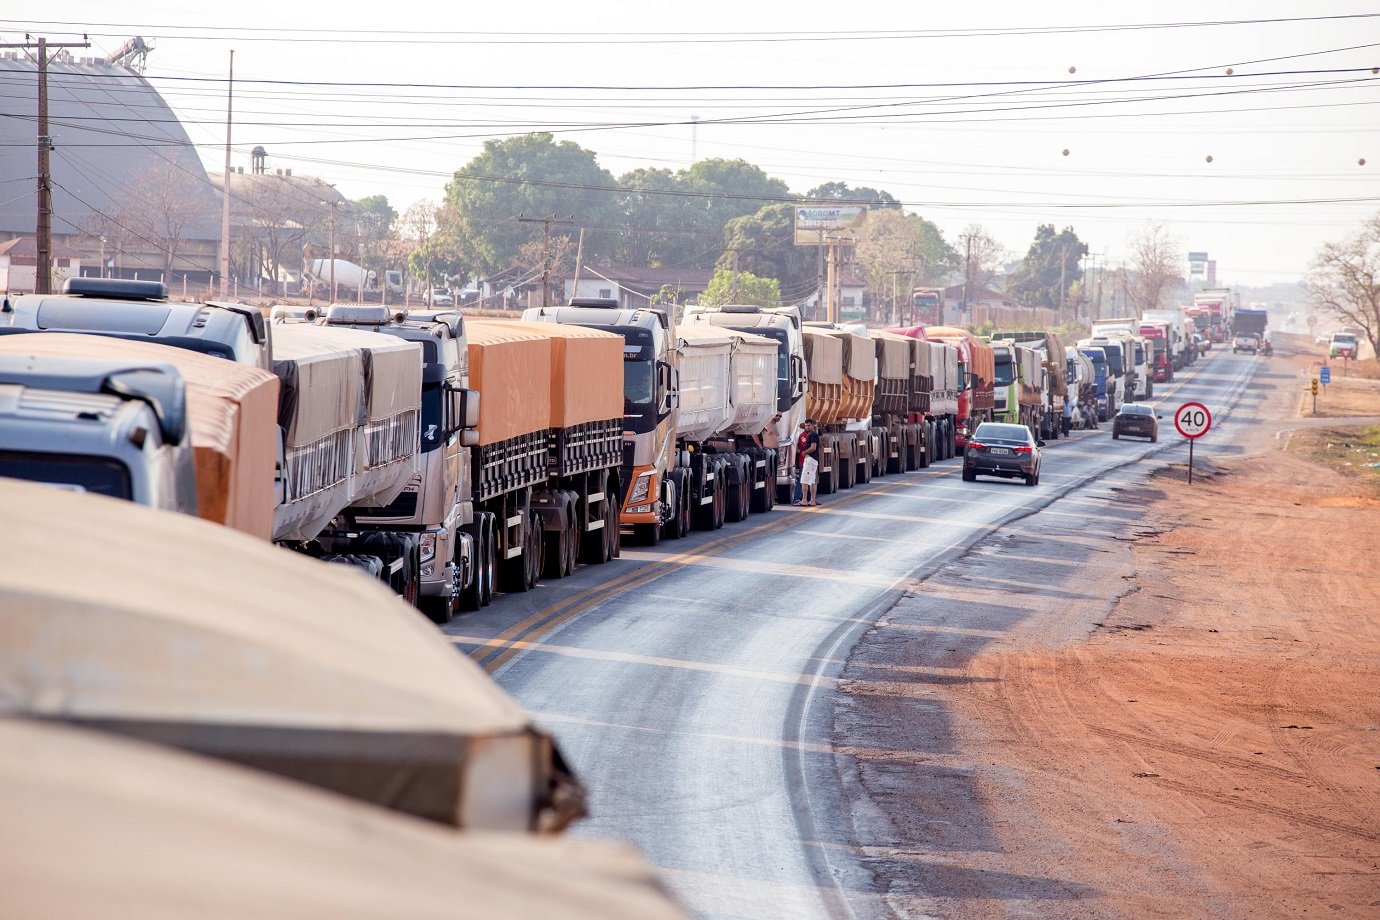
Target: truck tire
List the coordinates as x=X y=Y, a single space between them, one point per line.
x=490 y=537
x=556 y=553
x=736 y=492
x=440 y=610
x=647 y=534
x=720 y=504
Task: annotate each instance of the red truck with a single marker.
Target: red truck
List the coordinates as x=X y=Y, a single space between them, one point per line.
x=1161 y=362
x=977 y=374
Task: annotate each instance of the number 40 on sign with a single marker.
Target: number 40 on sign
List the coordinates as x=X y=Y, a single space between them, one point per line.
x=1192 y=420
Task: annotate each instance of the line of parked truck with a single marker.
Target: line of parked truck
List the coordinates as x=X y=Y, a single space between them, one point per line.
x=356 y=434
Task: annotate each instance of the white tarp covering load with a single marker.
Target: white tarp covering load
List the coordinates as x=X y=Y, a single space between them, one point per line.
x=754 y=382
x=320 y=410
x=387 y=443
x=703 y=359
x=97 y=826
x=191 y=635
x=860 y=357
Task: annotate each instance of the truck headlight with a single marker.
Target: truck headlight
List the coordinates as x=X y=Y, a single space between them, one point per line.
x=641 y=487
x=428 y=547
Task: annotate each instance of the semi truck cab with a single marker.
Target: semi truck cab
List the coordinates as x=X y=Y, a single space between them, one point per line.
x=650 y=397
x=140 y=310
x=90 y=425
x=437 y=503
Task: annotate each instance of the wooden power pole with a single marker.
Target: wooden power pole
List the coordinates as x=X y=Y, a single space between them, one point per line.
x=43 y=227
x=546 y=223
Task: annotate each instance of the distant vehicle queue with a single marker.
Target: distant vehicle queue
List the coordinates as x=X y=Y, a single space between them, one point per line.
x=355 y=435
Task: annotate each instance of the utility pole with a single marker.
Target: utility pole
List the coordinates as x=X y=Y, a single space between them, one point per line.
x=332 y=251
x=546 y=223
x=733 y=297
x=225 y=186
x=967 y=273
x=43 y=227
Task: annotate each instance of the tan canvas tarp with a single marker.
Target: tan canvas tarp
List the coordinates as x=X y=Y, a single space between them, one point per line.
x=322 y=384
x=392 y=366
x=586 y=373
x=510 y=366
x=101 y=826
x=893 y=355
x=195 y=636
x=754 y=382
x=823 y=356
x=232 y=412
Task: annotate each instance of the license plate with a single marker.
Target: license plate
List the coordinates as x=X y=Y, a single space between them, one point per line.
x=1000 y=452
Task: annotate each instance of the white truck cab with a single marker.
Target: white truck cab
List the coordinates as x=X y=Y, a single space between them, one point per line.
x=102 y=426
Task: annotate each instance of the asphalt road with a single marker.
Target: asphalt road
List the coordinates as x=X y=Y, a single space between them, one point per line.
x=692 y=686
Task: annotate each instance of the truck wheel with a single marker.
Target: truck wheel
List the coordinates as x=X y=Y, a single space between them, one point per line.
x=535 y=551
x=720 y=504
x=440 y=610
x=556 y=553
x=736 y=495
x=647 y=534
x=685 y=510
x=595 y=550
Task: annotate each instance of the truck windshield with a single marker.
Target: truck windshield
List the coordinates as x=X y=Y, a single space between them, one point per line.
x=100 y=475
x=1006 y=370
x=1140 y=354
x=639 y=385
x=1113 y=353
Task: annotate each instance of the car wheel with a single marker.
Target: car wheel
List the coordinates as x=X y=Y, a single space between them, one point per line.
x=1116 y=435
x=1154 y=438
x=1031 y=479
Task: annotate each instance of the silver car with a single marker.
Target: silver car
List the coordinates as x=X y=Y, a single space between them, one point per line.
x=999 y=449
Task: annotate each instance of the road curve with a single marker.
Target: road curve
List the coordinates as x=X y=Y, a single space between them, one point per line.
x=690 y=685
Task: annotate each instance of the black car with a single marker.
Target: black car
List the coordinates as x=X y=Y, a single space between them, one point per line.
x=998 y=449
x=1137 y=420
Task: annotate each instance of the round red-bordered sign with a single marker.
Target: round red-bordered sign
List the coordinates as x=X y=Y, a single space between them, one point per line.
x=1192 y=420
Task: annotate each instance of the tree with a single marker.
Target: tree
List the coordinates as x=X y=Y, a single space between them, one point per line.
x=764 y=244
x=1153 y=271
x=741 y=287
x=167 y=206
x=652 y=232
x=893 y=242
x=535 y=176
x=1345 y=279
x=979 y=255
x=374 y=218
x=839 y=191
x=1050 y=267
x=722 y=190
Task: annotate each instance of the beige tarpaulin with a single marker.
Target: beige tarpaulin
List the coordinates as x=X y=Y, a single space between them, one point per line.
x=510 y=366
x=171 y=629
x=100 y=826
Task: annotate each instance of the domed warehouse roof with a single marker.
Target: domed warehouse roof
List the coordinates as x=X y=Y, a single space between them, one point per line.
x=117 y=147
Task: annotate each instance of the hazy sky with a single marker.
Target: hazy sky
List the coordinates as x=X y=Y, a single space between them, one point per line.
x=1092 y=115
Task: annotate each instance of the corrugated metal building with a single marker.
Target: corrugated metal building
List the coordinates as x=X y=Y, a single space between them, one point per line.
x=127 y=183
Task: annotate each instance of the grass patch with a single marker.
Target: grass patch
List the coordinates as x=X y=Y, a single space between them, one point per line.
x=1351 y=450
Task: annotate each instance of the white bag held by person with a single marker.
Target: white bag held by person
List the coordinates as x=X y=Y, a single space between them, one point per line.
x=809 y=471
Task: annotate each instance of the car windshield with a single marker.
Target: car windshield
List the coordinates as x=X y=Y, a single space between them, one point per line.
x=989 y=431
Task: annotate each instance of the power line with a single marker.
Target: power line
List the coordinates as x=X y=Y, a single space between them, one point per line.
x=409 y=37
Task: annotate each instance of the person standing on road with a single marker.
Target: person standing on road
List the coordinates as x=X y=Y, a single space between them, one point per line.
x=807 y=459
x=1068 y=416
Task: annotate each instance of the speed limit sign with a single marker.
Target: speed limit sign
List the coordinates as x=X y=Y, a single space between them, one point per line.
x=1193 y=420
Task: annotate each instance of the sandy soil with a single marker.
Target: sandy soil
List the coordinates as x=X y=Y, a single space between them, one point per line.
x=1211 y=749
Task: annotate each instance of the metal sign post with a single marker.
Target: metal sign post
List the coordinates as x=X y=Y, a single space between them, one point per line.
x=1192 y=420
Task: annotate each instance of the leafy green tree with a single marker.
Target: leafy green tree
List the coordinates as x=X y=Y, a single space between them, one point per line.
x=1050 y=267
x=764 y=244
x=530 y=175
x=894 y=242
x=839 y=191
x=724 y=189
x=741 y=287
x=652 y=230
x=374 y=219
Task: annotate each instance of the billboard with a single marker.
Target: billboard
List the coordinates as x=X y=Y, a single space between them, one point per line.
x=816 y=225
x=1197 y=263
